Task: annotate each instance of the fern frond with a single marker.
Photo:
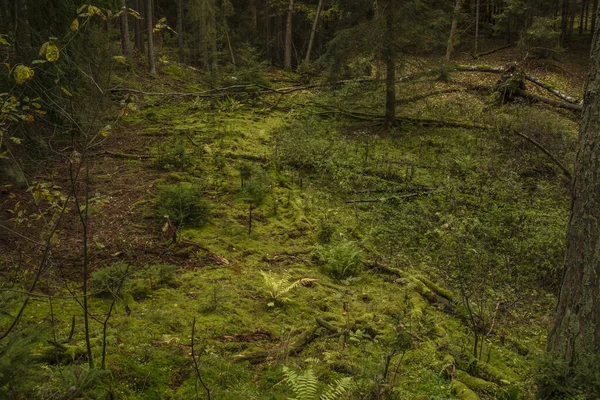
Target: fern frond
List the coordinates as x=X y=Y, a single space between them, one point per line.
x=277 y=286
x=303 y=384
x=334 y=392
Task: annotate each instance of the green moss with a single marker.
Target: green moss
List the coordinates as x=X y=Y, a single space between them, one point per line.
x=462 y=391
x=476 y=384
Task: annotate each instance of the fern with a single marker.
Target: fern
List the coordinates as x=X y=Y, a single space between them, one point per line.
x=334 y=392
x=305 y=385
x=277 y=286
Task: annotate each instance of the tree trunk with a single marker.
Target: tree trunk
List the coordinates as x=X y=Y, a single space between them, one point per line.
x=452 y=37
x=287 y=57
x=594 y=16
x=564 y=22
x=268 y=36
x=575 y=333
x=390 y=65
x=313 y=31
x=180 y=43
x=582 y=16
x=139 y=28
x=125 y=44
x=477 y=26
x=21 y=29
x=4 y=17
x=149 y=28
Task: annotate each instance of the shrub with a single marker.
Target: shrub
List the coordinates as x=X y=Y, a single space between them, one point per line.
x=183 y=204
x=111 y=280
x=542 y=39
x=325 y=232
x=162 y=275
x=341 y=259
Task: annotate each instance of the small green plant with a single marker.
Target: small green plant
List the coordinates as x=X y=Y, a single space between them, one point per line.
x=254 y=192
x=183 y=204
x=245 y=173
x=17 y=366
x=174 y=156
x=162 y=275
x=305 y=385
x=340 y=260
x=325 y=232
x=109 y=281
x=277 y=286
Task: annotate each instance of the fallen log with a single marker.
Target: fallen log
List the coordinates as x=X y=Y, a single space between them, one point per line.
x=302 y=340
x=492 y=51
x=536 y=81
x=541 y=99
x=404 y=196
x=557 y=93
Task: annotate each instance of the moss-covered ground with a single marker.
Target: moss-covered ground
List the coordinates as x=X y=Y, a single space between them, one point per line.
x=457 y=233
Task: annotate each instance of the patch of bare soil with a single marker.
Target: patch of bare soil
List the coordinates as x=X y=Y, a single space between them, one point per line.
x=121 y=227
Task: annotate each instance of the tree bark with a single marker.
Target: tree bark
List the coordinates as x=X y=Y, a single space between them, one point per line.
x=125 y=44
x=452 y=37
x=139 y=28
x=477 y=26
x=287 y=57
x=4 y=16
x=594 y=16
x=390 y=65
x=21 y=29
x=312 y=32
x=180 y=43
x=575 y=333
x=149 y=28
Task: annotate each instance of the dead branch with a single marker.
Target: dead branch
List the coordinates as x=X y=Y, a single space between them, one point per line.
x=492 y=51
x=536 y=81
x=545 y=151
x=541 y=99
x=302 y=340
x=557 y=93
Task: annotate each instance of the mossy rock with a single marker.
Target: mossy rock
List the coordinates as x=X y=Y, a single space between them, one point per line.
x=462 y=391
x=477 y=384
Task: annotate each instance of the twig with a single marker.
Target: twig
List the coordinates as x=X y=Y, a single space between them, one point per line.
x=196 y=367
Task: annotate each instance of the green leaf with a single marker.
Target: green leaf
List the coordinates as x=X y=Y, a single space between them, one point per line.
x=75 y=25
x=52 y=53
x=23 y=73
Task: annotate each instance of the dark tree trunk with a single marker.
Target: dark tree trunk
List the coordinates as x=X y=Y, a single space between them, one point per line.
x=390 y=64
x=453 y=28
x=180 y=43
x=564 y=22
x=594 y=17
x=149 y=28
x=477 y=6
x=575 y=333
x=21 y=29
x=125 y=44
x=313 y=31
x=582 y=16
x=4 y=16
x=139 y=28
x=287 y=57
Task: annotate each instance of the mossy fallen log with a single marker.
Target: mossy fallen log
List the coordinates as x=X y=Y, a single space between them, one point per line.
x=462 y=391
x=476 y=384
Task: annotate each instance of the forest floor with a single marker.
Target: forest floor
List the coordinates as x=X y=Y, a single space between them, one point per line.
x=458 y=234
